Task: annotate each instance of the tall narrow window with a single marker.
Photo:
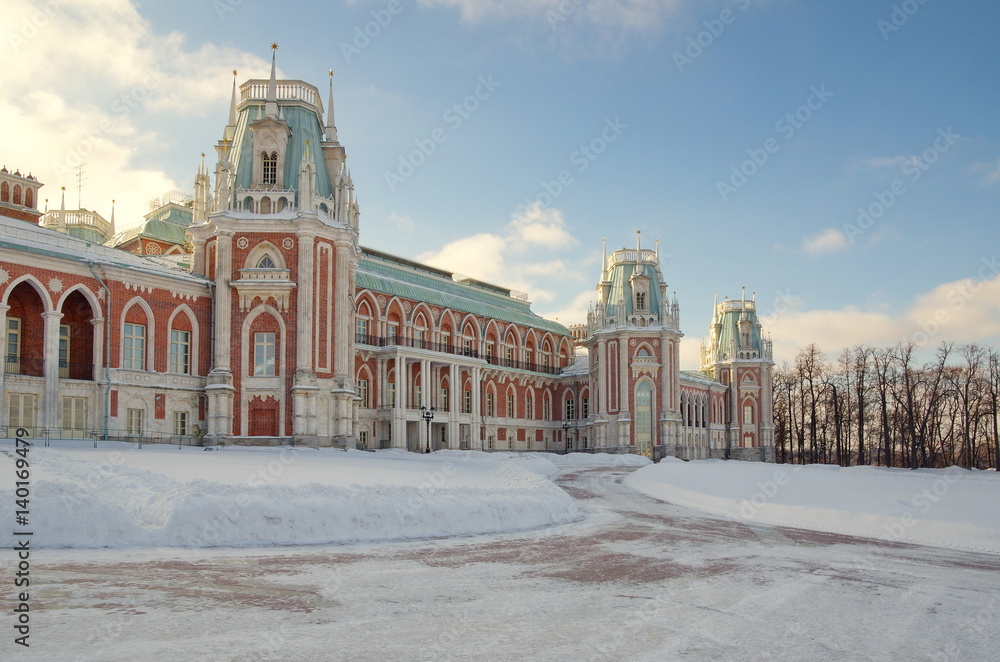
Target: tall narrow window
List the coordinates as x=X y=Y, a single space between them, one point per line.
x=134 y=354
x=363 y=393
x=180 y=423
x=180 y=352
x=392 y=329
x=489 y=404
x=22 y=411
x=416 y=397
x=443 y=400
x=12 y=360
x=546 y=409
x=64 y=346
x=510 y=405
x=748 y=414
x=467 y=402
x=640 y=301
x=391 y=394
x=269 y=169
x=643 y=417
x=570 y=409
x=74 y=415
x=361 y=331
x=263 y=354
x=133 y=421
x=529 y=407
x=585 y=407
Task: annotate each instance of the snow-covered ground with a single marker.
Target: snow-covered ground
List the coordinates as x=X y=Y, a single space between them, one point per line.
x=586 y=570
x=953 y=507
x=163 y=496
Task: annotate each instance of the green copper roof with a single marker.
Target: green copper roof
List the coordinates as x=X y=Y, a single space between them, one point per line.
x=304 y=125
x=729 y=317
x=397 y=277
x=621 y=288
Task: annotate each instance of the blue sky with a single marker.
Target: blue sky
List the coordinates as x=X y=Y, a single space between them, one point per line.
x=824 y=107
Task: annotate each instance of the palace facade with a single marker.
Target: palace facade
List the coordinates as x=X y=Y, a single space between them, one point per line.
x=279 y=327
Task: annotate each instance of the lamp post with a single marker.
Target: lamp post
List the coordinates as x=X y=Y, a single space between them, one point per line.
x=566 y=441
x=428 y=415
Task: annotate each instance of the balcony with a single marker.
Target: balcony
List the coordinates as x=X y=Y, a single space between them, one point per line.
x=19 y=365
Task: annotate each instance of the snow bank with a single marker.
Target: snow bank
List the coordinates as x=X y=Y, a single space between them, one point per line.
x=952 y=507
x=118 y=496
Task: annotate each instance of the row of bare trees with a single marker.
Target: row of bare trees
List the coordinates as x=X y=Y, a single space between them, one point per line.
x=883 y=407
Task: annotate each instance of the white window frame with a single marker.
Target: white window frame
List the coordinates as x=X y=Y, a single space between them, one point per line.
x=180 y=351
x=134 y=346
x=265 y=352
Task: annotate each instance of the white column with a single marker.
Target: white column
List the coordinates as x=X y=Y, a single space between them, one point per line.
x=425 y=400
x=3 y=357
x=454 y=394
x=304 y=322
x=223 y=300
x=475 y=429
x=399 y=410
x=50 y=408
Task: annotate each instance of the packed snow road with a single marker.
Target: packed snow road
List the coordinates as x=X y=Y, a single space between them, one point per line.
x=638 y=579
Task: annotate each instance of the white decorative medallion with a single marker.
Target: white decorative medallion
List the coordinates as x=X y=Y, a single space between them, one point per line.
x=56 y=285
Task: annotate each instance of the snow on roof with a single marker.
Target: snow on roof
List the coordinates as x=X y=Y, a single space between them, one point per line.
x=29 y=238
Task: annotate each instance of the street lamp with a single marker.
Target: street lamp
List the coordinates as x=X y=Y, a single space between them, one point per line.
x=428 y=415
x=565 y=427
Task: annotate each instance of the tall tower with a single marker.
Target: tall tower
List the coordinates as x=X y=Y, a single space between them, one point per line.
x=741 y=358
x=279 y=237
x=633 y=338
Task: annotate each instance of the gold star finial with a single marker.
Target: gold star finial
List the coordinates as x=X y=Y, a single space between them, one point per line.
x=331 y=73
x=274 y=45
x=234 y=73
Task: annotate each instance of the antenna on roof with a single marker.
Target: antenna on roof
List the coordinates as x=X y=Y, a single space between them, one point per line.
x=79 y=186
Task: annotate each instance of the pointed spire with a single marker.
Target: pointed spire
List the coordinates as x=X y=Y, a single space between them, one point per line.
x=113 y=231
x=331 y=126
x=63 y=206
x=638 y=243
x=604 y=261
x=232 y=103
x=271 y=105
x=657 y=252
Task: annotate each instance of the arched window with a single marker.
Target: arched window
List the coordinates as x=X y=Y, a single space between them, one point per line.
x=640 y=301
x=643 y=417
x=29 y=198
x=266 y=262
x=17 y=195
x=5 y=192
x=269 y=168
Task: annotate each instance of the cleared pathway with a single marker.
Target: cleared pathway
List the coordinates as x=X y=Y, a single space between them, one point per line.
x=637 y=580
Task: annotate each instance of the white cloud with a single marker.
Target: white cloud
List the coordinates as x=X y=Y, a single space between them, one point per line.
x=990 y=172
x=585 y=26
x=830 y=240
x=401 y=222
x=520 y=257
x=962 y=311
x=91 y=85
